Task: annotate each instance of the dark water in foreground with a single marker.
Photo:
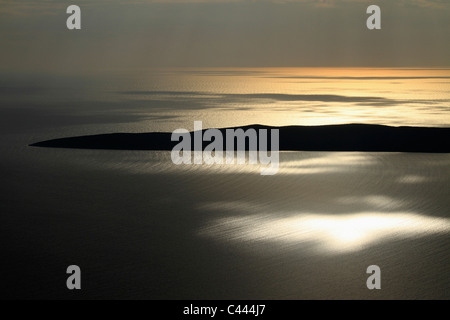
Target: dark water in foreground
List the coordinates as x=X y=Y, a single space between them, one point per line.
x=140 y=227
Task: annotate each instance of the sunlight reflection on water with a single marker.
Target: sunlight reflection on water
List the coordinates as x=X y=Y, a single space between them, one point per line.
x=331 y=233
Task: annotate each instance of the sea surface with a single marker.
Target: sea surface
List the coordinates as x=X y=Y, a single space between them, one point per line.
x=141 y=227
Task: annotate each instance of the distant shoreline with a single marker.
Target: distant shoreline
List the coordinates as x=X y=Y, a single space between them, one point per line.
x=347 y=137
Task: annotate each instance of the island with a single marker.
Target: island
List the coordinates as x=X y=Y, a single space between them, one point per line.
x=345 y=137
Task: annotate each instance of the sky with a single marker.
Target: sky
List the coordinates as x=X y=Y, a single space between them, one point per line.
x=222 y=33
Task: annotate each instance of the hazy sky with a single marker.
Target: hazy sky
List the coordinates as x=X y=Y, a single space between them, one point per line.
x=222 y=33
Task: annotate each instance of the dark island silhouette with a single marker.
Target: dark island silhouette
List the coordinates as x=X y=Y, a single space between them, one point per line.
x=347 y=137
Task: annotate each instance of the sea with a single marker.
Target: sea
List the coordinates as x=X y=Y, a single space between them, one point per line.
x=141 y=227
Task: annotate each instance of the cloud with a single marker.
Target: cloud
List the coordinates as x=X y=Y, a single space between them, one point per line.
x=219 y=33
x=52 y=6
x=426 y=3
x=201 y=100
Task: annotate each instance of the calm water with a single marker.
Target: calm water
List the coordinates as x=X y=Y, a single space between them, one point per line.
x=141 y=227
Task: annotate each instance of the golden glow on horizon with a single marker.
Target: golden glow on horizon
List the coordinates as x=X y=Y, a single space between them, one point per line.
x=226 y=97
